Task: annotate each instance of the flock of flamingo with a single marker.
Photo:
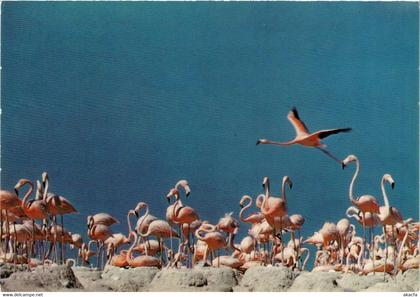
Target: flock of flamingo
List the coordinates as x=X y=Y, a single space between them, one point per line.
x=183 y=240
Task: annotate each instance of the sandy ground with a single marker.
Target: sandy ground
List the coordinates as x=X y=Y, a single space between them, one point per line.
x=255 y=279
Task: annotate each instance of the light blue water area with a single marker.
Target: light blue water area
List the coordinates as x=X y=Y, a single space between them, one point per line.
x=118 y=101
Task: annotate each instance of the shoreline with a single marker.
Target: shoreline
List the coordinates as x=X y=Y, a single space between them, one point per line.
x=210 y=279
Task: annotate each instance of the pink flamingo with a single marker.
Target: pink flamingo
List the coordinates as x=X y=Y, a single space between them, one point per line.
x=303 y=137
x=140 y=261
x=34 y=209
x=253 y=218
x=387 y=214
x=366 y=203
x=160 y=229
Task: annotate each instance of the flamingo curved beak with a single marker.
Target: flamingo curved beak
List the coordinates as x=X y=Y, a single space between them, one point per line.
x=136 y=213
x=290 y=185
x=343 y=165
x=169 y=199
x=187 y=193
x=392 y=185
x=258 y=142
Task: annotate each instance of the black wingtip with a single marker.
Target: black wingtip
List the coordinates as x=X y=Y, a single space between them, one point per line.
x=346 y=129
x=295 y=112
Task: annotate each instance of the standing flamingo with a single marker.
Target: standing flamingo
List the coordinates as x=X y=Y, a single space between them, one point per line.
x=8 y=202
x=160 y=229
x=57 y=205
x=303 y=137
x=253 y=218
x=214 y=240
x=179 y=213
x=387 y=214
x=34 y=209
x=366 y=203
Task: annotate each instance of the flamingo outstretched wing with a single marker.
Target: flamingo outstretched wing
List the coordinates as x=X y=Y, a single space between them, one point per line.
x=297 y=123
x=325 y=133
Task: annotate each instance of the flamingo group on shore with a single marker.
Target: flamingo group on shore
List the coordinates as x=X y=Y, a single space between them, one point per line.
x=30 y=233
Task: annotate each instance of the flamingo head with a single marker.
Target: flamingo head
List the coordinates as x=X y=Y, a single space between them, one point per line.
x=21 y=183
x=244 y=197
x=259 y=200
x=350 y=158
x=387 y=177
x=262 y=141
x=90 y=222
x=173 y=192
x=139 y=206
x=44 y=177
x=184 y=183
x=287 y=180
x=266 y=182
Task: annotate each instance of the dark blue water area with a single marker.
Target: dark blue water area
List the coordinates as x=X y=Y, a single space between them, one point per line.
x=118 y=101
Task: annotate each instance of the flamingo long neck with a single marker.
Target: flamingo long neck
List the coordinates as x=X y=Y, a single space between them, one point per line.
x=28 y=194
x=198 y=235
x=177 y=205
x=44 y=196
x=241 y=213
x=142 y=221
x=283 y=191
x=356 y=173
x=307 y=257
x=130 y=250
x=384 y=192
x=128 y=222
x=264 y=206
x=402 y=247
x=231 y=244
x=359 y=258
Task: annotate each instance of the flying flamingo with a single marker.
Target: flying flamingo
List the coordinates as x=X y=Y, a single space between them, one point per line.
x=366 y=203
x=303 y=137
x=140 y=261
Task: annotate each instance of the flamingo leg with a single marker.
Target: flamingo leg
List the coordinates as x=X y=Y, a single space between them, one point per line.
x=7 y=235
x=15 y=245
x=55 y=238
x=386 y=251
x=63 y=245
x=329 y=155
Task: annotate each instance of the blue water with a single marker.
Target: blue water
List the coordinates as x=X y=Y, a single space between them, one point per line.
x=118 y=101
